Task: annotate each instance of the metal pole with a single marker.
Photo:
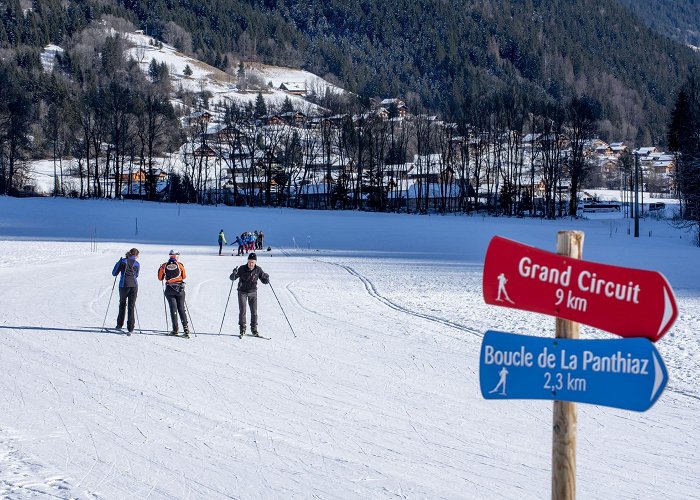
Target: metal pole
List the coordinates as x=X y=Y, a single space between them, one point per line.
x=138 y=321
x=636 y=195
x=165 y=309
x=225 y=308
x=569 y=244
x=108 y=303
x=282 y=308
x=187 y=310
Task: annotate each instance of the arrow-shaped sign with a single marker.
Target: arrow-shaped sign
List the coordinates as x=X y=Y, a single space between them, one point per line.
x=627 y=302
x=622 y=373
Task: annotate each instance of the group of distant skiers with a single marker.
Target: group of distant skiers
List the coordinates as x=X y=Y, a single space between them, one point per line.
x=247 y=242
x=172 y=274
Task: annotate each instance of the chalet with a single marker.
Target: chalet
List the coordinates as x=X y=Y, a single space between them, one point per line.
x=295 y=118
x=397 y=104
x=609 y=166
x=294 y=88
x=658 y=163
x=197 y=118
x=645 y=151
x=311 y=194
x=427 y=168
x=409 y=195
x=316 y=122
x=561 y=190
x=134 y=176
x=338 y=120
x=382 y=113
x=272 y=120
x=602 y=148
x=141 y=175
x=397 y=172
x=204 y=151
x=618 y=147
x=222 y=133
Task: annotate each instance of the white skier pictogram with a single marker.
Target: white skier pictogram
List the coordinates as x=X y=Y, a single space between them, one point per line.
x=502 y=289
x=501 y=382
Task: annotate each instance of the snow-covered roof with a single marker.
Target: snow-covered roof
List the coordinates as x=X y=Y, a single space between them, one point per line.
x=48 y=56
x=293 y=86
x=393 y=100
x=140 y=188
x=411 y=191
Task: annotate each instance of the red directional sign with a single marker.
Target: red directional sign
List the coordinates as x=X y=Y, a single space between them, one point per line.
x=626 y=302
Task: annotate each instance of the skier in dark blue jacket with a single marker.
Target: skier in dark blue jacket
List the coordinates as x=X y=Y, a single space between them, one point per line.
x=129 y=268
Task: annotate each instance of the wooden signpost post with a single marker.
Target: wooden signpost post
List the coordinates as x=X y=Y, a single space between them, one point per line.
x=569 y=244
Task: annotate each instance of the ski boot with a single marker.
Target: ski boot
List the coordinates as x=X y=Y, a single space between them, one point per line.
x=241 y=332
x=186 y=332
x=174 y=332
x=254 y=332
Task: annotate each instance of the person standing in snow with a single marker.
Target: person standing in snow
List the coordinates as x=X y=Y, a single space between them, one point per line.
x=247 y=277
x=173 y=272
x=222 y=241
x=239 y=242
x=129 y=268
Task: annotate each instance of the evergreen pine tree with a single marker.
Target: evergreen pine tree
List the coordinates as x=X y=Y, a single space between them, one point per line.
x=260 y=106
x=153 y=70
x=287 y=106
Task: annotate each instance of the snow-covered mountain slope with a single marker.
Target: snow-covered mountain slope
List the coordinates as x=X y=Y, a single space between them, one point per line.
x=375 y=397
x=222 y=85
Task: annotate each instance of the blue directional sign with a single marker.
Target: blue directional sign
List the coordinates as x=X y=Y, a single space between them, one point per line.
x=622 y=373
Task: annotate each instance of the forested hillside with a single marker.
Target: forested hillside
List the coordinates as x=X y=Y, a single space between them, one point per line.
x=676 y=19
x=454 y=56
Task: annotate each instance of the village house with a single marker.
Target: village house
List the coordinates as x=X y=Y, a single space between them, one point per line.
x=271 y=120
x=618 y=148
x=200 y=118
x=294 y=88
x=398 y=104
x=294 y=118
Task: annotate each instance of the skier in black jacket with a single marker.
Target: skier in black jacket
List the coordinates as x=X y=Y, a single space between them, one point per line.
x=128 y=287
x=247 y=277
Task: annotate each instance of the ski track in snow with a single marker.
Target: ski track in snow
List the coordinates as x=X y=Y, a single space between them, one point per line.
x=22 y=476
x=372 y=290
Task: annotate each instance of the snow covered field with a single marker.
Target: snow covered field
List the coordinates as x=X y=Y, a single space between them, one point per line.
x=377 y=396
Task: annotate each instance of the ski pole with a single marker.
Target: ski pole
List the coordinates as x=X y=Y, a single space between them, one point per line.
x=108 y=303
x=225 y=308
x=165 y=310
x=138 y=321
x=187 y=310
x=282 y=308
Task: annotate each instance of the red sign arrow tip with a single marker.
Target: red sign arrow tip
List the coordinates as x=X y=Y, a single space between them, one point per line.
x=669 y=312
